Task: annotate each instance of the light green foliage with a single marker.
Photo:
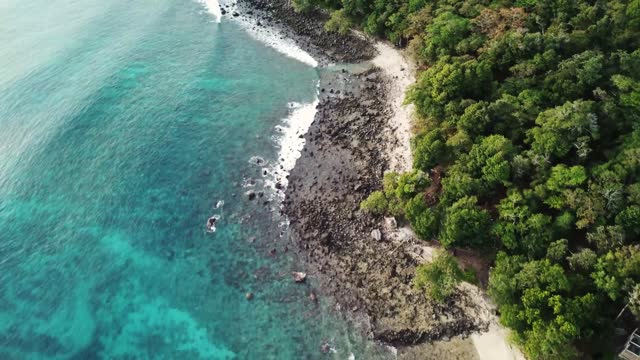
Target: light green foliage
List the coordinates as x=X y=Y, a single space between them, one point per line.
x=532 y=296
x=439 y=277
x=606 y=238
x=629 y=89
x=475 y=119
x=618 y=271
x=490 y=160
x=561 y=179
x=405 y=186
x=446 y=82
x=558 y=249
x=457 y=185
x=302 y=5
x=634 y=301
x=338 y=22
x=399 y=190
x=633 y=192
x=485 y=166
x=570 y=126
x=584 y=260
x=376 y=203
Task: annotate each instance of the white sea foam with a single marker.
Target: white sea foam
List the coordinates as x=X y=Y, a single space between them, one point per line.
x=213 y=7
x=290 y=139
x=211 y=223
x=295 y=126
x=281 y=44
x=271 y=37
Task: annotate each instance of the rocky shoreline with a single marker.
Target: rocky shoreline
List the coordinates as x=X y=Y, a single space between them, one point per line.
x=366 y=263
x=306 y=29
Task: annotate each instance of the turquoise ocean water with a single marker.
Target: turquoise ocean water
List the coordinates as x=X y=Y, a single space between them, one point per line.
x=122 y=124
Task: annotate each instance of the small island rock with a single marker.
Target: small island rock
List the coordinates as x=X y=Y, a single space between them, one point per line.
x=299 y=277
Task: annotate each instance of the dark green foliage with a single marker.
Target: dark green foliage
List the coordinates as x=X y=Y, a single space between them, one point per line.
x=634 y=301
x=617 y=272
x=629 y=219
x=441 y=88
x=475 y=119
x=446 y=35
x=439 y=277
x=429 y=149
x=424 y=220
x=536 y=304
x=532 y=107
x=520 y=229
x=466 y=224
x=399 y=190
x=557 y=250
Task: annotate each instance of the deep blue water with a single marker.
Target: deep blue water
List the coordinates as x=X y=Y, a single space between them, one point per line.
x=122 y=124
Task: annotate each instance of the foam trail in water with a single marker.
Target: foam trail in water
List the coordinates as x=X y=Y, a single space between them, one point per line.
x=272 y=38
x=213 y=7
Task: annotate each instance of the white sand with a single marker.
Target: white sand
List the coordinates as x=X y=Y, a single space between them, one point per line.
x=402 y=72
x=492 y=345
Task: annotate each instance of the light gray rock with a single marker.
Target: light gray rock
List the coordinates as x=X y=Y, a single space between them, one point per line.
x=391 y=223
x=299 y=277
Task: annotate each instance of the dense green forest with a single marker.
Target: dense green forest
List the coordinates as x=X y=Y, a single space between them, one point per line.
x=531 y=109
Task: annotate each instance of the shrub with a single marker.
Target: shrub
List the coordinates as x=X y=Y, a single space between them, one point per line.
x=439 y=277
x=465 y=224
x=424 y=220
x=376 y=203
x=339 y=22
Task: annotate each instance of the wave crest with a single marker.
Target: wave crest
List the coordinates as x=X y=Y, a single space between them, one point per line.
x=213 y=7
x=271 y=37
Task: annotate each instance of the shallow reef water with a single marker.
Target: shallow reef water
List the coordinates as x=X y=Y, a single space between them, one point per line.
x=122 y=127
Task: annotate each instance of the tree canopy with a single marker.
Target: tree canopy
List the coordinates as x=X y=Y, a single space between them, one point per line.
x=532 y=108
